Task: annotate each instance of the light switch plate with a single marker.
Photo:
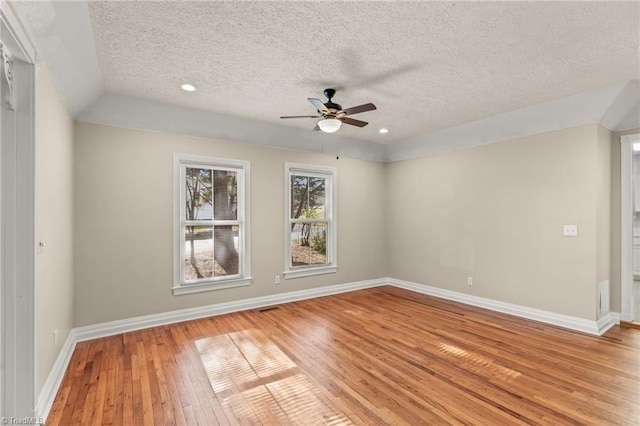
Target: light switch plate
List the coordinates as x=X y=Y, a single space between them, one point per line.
x=570 y=231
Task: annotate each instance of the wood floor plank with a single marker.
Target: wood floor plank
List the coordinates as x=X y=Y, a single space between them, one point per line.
x=204 y=405
x=165 y=364
x=376 y=356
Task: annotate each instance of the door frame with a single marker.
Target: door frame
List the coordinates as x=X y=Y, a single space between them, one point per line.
x=626 y=190
x=17 y=220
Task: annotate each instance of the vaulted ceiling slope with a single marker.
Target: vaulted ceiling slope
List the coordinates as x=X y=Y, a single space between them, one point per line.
x=444 y=75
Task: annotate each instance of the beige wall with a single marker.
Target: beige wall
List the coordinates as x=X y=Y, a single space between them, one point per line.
x=123 y=221
x=496 y=213
x=54 y=222
x=616 y=203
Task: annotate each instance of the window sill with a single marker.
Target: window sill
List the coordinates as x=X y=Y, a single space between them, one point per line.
x=210 y=286
x=307 y=272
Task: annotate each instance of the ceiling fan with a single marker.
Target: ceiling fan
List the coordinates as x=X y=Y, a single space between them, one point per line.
x=332 y=115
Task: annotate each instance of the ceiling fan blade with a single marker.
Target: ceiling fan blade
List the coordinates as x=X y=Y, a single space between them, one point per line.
x=300 y=116
x=358 y=109
x=353 y=122
x=316 y=129
x=318 y=104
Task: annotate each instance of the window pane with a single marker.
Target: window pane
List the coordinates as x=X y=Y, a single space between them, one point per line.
x=316 y=198
x=318 y=243
x=226 y=250
x=307 y=197
x=198 y=194
x=225 y=189
x=198 y=253
x=308 y=244
x=299 y=198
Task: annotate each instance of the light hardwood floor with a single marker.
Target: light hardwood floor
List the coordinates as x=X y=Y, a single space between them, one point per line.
x=377 y=356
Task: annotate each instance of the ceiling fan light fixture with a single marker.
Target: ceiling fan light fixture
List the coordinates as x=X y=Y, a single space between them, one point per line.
x=329 y=125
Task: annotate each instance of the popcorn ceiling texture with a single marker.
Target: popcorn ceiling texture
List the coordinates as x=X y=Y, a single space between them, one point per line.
x=426 y=65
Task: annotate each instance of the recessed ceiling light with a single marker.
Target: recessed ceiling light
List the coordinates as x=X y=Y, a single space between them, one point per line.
x=188 y=87
x=383 y=130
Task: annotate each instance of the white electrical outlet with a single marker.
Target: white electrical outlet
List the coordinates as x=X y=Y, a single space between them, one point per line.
x=570 y=231
x=469 y=280
x=276 y=280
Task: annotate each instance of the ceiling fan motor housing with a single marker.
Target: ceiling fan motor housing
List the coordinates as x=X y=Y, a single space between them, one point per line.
x=330 y=93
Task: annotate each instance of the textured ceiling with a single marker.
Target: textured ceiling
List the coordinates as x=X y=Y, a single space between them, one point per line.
x=426 y=65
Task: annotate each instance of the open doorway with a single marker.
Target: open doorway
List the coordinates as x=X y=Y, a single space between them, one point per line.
x=635 y=261
x=630 y=189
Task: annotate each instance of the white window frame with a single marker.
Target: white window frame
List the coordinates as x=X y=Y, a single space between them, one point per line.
x=331 y=200
x=181 y=162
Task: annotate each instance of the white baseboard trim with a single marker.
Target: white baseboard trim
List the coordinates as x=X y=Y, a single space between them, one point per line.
x=607 y=321
x=565 y=321
x=138 y=323
x=79 y=334
x=54 y=379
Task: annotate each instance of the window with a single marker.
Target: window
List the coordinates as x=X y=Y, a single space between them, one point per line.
x=310 y=225
x=211 y=230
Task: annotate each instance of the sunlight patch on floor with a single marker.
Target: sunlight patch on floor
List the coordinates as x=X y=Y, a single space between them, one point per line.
x=259 y=383
x=479 y=363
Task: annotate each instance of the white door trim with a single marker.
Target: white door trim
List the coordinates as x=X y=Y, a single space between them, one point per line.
x=626 y=190
x=20 y=42
x=17 y=220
